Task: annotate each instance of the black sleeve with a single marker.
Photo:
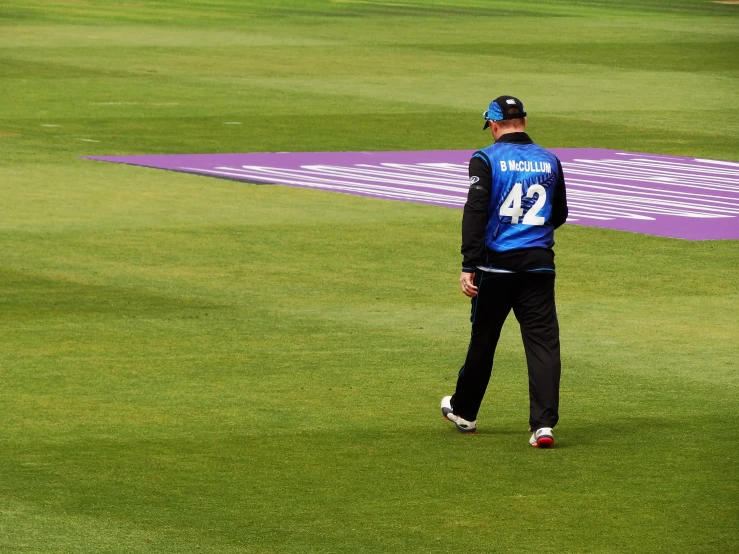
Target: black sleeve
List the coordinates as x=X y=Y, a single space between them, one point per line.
x=559 y=205
x=475 y=217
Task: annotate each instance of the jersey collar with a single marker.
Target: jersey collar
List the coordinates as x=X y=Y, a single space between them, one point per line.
x=520 y=138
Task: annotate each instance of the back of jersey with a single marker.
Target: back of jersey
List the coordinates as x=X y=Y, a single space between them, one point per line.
x=524 y=177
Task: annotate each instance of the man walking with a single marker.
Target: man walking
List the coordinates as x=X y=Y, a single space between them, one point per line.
x=515 y=202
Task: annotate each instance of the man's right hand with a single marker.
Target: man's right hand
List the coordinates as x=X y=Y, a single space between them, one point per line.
x=466 y=282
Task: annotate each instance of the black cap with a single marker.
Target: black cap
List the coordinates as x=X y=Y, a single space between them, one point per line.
x=503 y=107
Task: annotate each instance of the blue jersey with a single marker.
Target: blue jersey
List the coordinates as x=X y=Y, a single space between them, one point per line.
x=524 y=180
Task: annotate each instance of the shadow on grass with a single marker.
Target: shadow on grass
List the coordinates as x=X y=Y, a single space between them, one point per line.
x=31 y=295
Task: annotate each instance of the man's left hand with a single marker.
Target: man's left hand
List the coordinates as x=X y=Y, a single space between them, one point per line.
x=467 y=283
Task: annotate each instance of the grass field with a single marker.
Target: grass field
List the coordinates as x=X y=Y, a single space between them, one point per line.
x=199 y=365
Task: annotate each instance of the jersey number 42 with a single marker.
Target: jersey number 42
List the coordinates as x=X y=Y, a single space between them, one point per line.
x=511 y=206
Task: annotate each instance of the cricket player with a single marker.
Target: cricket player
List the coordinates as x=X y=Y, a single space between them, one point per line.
x=515 y=202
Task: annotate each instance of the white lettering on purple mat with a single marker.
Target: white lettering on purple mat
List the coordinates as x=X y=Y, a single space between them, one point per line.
x=669 y=196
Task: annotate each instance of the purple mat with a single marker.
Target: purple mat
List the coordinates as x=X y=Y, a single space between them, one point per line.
x=667 y=196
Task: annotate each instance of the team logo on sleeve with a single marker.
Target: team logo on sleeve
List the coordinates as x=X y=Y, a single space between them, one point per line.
x=474 y=180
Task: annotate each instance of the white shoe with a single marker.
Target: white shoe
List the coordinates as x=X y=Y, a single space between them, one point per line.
x=463 y=426
x=542 y=438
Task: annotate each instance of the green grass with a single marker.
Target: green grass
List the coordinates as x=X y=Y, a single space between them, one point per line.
x=198 y=365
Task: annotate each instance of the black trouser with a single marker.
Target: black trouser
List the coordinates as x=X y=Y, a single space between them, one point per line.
x=531 y=296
